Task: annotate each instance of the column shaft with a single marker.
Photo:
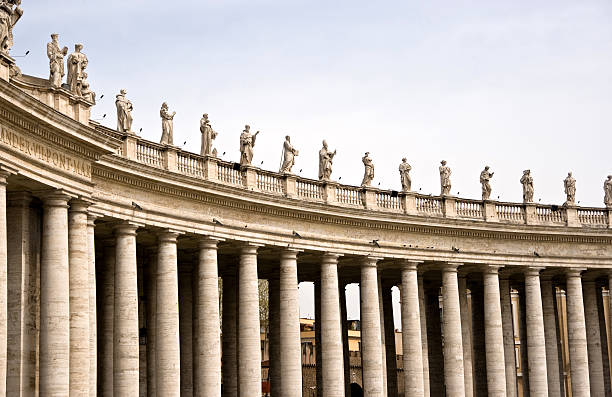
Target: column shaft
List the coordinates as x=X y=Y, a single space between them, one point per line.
x=383 y=348
x=332 y=360
x=93 y=322
x=168 y=356
x=79 y=298
x=54 y=300
x=151 y=307
x=249 y=364
x=424 y=345
x=494 y=337
x=391 y=352
x=434 y=339
x=411 y=332
x=274 y=348
x=290 y=342
x=345 y=340
x=108 y=318
x=550 y=333
x=230 y=353
x=591 y=313
x=3 y=283
x=453 y=346
x=371 y=348
x=479 y=354
x=508 y=327
x=576 y=331
x=186 y=330
x=536 y=342
x=466 y=333
x=126 y=351
x=207 y=347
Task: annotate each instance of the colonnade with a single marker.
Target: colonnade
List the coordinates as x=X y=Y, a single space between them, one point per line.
x=91 y=320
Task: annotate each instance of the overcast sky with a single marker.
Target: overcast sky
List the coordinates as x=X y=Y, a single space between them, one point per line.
x=511 y=84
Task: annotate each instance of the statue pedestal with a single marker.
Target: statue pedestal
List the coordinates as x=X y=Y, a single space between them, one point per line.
x=571 y=215
x=490 y=213
x=210 y=168
x=169 y=158
x=290 y=185
x=329 y=192
x=369 y=197
x=450 y=206
x=408 y=200
x=249 y=176
x=128 y=147
x=530 y=214
x=5 y=66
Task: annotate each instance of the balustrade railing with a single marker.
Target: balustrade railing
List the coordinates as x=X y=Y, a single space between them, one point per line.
x=429 y=205
x=348 y=195
x=593 y=216
x=176 y=160
x=469 y=208
x=309 y=190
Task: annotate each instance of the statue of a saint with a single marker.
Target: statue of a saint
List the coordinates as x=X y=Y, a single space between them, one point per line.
x=445 y=182
x=10 y=13
x=527 y=182
x=404 y=170
x=326 y=158
x=77 y=62
x=56 y=61
x=208 y=135
x=485 y=177
x=570 y=189
x=124 y=112
x=86 y=92
x=368 y=172
x=608 y=192
x=247 y=142
x=289 y=153
x=167 y=125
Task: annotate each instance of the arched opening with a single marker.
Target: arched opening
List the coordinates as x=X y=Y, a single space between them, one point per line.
x=356 y=390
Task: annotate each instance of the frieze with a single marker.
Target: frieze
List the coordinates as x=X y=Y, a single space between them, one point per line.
x=36 y=150
x=340 y=219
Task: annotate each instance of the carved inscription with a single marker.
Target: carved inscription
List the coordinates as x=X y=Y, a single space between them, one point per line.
x=39 y=151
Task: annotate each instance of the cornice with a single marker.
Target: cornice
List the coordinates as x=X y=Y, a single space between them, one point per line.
x=278 y=206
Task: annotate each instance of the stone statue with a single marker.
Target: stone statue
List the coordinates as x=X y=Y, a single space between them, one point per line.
x=289 y=153
x=445 y=182
x=325 y=162
x=247 y=142
x=124 y=112
x=368 y=172
x=404 y=170
x=527 y=182
x=10 y=13
x=86 y=92
x=608 y=192
x=77 y=62
x=208 y=136
x=570 y=189
x=56 y=61
x=167 y=125
x=485 y=177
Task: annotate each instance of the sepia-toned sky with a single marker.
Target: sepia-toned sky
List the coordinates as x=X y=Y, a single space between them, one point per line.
x=509 y=84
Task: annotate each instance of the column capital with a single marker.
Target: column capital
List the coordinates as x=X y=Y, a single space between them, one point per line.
x=168 y=235
x=5 y=172
x=410 y=264
x=79 y=205
x=574 y=272
x=248 y=248
x=451 y=266
x=91 y=219
x=491 y=269
x=126 y=228
x=330 y=258
x=370 y=261
x=19 y=199
x=56 y=198
x=290 y=253
x=209 y=242
x=533 y=270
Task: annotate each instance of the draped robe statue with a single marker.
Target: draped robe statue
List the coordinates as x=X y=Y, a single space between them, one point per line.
x=56 y=61
x=10 y=13
x=77 y=62
x=527 y=182
x=208 y=135
x=326 y=158
x=485 y=178
x=445 y=182
x=167 y=125
x=404 y=170
x=289 y=153
x=368 y=172
x=247 y=142
x=608 y=191
x=124 y=112
x=569 y=184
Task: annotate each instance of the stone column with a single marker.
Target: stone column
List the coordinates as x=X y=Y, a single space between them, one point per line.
x=249 y=345
x=391 y=351
x=79 y=298
x=411 y=331
x=93 y=322
x=3 y=282
x=207 y=347
x=151 y=307
x=167 y=343
x=424 y=344
x=550 y=334
x=108 y=318
x=230 y=353
x=508 y=329
x=494 y=336
x=591 y=313
x=383 y=347
x=290 y=341
x=371 y=349
x=345 y=340
x=576 y=331
x=434 y=339
x=466 y=334
x=274 y=351
x=331 y=338
x=479 y=354
x=453 y=346
x=536 y=342
x=125 y=324
x=186 y=331
x=54 y=372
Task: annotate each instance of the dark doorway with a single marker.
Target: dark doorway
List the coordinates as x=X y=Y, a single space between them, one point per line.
x=356 y=390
